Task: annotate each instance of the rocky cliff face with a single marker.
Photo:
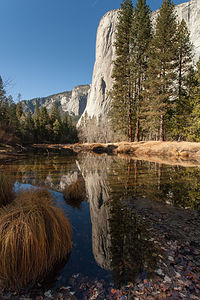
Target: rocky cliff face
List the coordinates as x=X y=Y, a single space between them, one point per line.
x=98 y=98
x=73 y=102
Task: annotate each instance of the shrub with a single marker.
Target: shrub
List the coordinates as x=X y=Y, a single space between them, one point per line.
x=34 y=236
x=75 y=193
x=7 y=193
x=7 y=136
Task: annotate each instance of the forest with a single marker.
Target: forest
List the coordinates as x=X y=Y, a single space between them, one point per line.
x=156 y=86
x=43 y=126
x=155 y=93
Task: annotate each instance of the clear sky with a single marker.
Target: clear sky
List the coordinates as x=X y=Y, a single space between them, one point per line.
x=48 y=46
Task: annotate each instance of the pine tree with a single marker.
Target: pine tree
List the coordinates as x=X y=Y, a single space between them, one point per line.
x=65 y=127
x=3 y=102
x=194 y=128
x=161 y=70
x=55 y=114
x=14 y=123
x=29 y=127
x=36 y=120
x=184 y=56
x=44 y=122
x=182 y=107
x=121 y=94
x=140 y=39
x=2 y=90
x=57 y=131
x=19 y=110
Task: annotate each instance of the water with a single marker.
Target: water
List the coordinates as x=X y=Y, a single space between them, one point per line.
x=111 y=242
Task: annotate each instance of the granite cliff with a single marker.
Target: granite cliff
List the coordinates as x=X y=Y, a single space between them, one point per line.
x=73 y=102
x=92 y=102
x=98 y=97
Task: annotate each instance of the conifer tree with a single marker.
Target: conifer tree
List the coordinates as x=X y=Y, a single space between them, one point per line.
x=55 y=114
x=2 y=90
x=183 y=67
x=36 y=120
x=19 y=110
x=121 y=94
x=184 y=56
x=140 y=39
x=194 y=128
x=57 y=131
x=13 y=119
x=44 y=122
x=29 y=127
x=161 y=70
x=2 y=102
x=65 y=126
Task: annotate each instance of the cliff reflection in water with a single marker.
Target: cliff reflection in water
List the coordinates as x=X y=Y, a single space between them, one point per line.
x=120 y=238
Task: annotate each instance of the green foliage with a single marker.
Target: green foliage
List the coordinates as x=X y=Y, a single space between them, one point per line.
x=129 y=72
x=183 y=57
x=140 y=40
x=194 y=126
x=153 y=84
x=16 y=126
x=121 y=105
x=161 y=70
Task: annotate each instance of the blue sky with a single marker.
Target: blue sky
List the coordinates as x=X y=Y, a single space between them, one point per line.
x=48 y=46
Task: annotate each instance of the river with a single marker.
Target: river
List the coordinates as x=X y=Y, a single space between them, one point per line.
x=129 y=208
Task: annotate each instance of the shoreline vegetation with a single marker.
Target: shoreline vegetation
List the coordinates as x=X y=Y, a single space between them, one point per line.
x=168 y=152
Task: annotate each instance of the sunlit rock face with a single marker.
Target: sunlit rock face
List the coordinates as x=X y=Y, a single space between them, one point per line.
x=94 y=171
x=73 y=102
x=98 y=98
x=190 y=12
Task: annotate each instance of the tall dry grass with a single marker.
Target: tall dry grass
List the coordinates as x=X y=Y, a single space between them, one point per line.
x=34 y=236
x=7 y=193
x=75 y=193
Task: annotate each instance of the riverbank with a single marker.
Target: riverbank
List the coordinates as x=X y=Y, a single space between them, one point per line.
x=173 y=153
x=183 y=150
x=164 y=151
x=173 y=232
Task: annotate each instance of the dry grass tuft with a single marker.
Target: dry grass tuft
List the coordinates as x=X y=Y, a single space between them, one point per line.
x=34 y=236
x=7 y=193
x=75 y=193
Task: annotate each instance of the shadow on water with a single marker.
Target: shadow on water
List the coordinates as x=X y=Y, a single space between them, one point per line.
x=110 y=240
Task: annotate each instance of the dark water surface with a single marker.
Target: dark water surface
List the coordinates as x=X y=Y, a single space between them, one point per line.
x=110 y=242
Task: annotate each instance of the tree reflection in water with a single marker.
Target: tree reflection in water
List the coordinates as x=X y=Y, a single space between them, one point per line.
x=132 y=252
x=120 y=238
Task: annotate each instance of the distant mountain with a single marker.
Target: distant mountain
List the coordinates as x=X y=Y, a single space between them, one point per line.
x=73 y=102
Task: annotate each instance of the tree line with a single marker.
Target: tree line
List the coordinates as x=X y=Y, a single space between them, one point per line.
x=156 y=89
x=41 y=126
